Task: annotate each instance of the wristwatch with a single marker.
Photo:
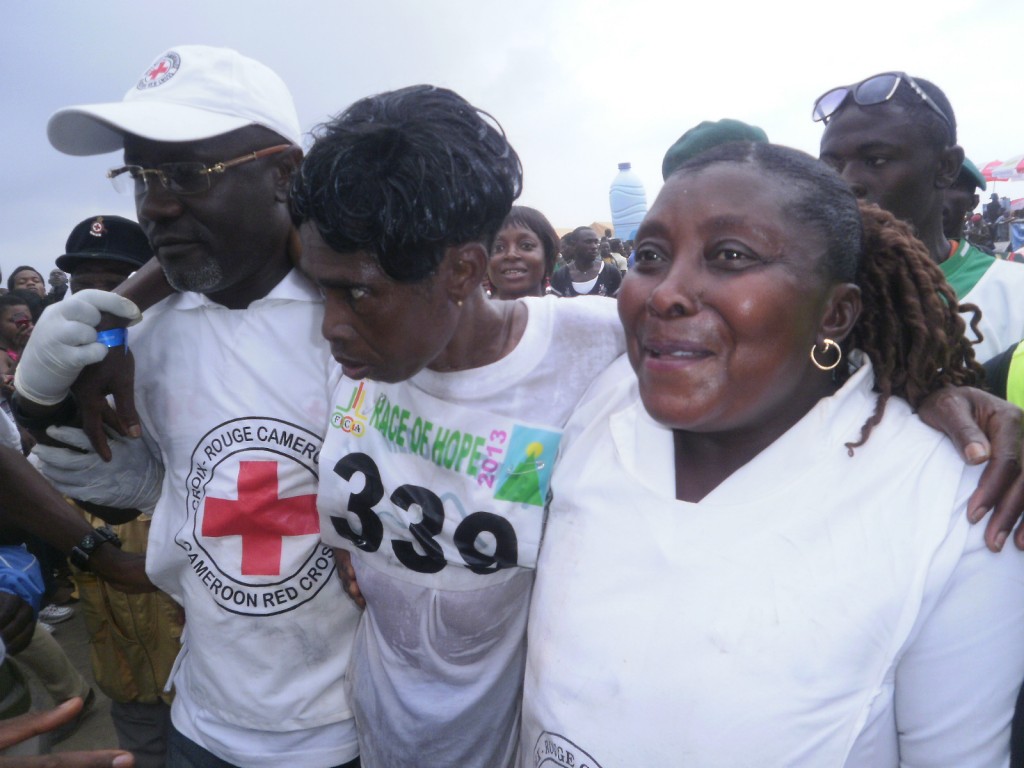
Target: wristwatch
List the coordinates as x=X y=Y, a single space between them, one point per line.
x=92 y=541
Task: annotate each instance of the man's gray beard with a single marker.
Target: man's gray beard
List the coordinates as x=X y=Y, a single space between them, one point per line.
x=201 y=280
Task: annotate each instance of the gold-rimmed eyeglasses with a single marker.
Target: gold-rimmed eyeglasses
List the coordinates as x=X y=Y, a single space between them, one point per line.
x=184 y=178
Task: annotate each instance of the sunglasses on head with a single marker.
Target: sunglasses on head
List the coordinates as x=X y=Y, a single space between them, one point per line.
x=876 y=89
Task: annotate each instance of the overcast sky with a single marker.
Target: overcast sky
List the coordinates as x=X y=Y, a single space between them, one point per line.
x=579 y=85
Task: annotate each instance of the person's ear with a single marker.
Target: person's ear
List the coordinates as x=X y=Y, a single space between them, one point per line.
x=286 y=165
x=951 y=160
x=464 y=267
x=841 y=313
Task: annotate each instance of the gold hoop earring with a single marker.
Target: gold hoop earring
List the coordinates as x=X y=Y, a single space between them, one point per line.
x=829 y=344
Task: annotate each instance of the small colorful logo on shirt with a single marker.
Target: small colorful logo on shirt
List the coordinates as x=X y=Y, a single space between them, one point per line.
x=352 y=418
x=163 y=69
x=526 y=471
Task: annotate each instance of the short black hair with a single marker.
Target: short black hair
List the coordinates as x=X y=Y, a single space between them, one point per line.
x=22 y=268
x=13 y=300
x=405 y=174
x=573 y=236
x=35 y=303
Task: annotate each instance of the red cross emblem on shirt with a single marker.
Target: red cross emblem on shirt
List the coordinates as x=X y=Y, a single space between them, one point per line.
x=260 y=517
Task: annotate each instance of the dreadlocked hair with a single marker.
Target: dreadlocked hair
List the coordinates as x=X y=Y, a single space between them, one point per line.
x=909 y=326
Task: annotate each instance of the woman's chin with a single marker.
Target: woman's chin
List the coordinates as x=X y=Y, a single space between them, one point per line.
x=675 y=411
x=516 y=290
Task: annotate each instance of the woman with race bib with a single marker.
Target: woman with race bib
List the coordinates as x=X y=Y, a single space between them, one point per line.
x=439 y=495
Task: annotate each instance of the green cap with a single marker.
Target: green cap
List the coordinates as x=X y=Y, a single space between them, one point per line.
x=703 y=137
x=970 y=170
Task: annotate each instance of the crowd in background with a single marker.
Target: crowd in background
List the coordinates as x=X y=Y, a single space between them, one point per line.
x=376 y=357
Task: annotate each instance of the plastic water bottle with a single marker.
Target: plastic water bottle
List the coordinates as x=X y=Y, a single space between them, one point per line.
x=628 y=202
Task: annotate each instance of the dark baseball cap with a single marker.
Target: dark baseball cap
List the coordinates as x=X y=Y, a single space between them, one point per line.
x=108 y=238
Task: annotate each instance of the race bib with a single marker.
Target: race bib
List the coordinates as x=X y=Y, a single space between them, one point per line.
x=428 y=488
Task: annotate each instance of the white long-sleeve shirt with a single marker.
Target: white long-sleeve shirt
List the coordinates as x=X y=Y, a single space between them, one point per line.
x=815 y=609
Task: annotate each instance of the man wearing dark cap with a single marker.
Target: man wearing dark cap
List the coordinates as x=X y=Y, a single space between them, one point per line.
x=102 y=251
x=233 y=387
x=893 y=139
x=993 y=209
x=960 y=199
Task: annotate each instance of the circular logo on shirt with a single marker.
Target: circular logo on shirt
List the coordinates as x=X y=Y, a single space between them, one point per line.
x=555 y=750
x=163 y=69
x=253 y=532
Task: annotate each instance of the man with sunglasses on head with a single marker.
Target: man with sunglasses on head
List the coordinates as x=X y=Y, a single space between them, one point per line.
x=232 y=388
x=892 y=137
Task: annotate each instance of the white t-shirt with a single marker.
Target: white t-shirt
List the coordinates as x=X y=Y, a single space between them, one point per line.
x=9 y=434
x=236 y=402
x=815 y=609
x=997 y=288
x=1000 y=294
x=438 y=489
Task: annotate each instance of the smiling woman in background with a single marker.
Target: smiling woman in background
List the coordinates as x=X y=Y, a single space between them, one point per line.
x=523 y=254
x=802 y=572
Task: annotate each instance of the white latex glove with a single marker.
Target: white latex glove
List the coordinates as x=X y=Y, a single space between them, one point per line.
x=130 y=480
x=64 y=342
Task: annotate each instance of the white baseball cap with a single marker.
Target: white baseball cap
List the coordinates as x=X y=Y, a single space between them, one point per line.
x=191 y=92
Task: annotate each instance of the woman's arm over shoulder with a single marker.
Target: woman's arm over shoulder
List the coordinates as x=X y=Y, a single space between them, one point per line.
x=611 y=391
x=590 y=321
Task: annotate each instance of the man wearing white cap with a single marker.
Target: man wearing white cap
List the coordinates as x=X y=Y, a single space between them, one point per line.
x=233 y=387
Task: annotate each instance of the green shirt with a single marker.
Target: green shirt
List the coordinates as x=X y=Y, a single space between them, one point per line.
x=965 y=267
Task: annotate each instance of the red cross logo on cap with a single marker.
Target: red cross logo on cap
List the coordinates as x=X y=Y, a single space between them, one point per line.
x=260 y=517
x=161 y=71
x=98 y=228
x=158 y=70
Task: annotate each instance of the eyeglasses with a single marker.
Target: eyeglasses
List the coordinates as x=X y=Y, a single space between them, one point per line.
x=187 y=178
x=877 y=89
